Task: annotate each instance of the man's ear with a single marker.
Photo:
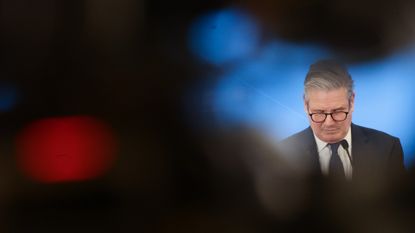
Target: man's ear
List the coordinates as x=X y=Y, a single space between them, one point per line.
x=305 y=104
x=352 y=102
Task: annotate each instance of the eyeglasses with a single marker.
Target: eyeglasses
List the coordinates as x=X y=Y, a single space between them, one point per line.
x=321 y=117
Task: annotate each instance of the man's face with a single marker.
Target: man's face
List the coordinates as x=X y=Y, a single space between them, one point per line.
x=321 y=101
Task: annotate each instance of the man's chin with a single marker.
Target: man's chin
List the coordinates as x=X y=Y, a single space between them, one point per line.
x=331 y=138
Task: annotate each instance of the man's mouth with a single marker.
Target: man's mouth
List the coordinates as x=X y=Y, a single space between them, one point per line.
x=331 y=130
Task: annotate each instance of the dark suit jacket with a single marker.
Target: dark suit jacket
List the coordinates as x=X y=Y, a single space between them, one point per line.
x=375 y=154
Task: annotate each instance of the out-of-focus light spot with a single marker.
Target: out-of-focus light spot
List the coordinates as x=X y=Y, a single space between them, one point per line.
x=66 y=149
x=223 y=36
x=8 y=97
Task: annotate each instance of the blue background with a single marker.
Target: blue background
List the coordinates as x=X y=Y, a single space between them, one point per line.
x=260 y=83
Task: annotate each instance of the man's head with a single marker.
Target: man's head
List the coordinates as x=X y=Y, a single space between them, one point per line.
x=328 y=89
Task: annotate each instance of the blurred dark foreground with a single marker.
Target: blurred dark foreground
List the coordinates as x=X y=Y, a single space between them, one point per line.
x=227 y=181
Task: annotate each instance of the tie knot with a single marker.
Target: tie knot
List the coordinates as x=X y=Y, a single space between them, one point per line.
x=334 y=146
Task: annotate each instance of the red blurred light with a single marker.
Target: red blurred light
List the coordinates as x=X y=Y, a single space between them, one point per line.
x=66 y=149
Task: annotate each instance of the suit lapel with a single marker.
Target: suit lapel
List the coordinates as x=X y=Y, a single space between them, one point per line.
x=359 y=145
x=311 y=150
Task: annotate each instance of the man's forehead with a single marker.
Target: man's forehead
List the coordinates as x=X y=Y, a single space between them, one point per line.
x=337 y=91
x=332 y=99
x=328 y=106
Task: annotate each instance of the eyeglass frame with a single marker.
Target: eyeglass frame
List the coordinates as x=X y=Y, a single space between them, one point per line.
x=329 y=113
x=326 y=114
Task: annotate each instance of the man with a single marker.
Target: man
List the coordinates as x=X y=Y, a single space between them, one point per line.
x=333 y=145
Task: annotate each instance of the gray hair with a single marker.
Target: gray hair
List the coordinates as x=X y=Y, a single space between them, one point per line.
x=328 y=75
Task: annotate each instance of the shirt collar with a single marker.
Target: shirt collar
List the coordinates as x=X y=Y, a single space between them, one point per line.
x=322 y=144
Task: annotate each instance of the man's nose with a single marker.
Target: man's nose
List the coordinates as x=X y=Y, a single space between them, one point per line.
x=329 y=120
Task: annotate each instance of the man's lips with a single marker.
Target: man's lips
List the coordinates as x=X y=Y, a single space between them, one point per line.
x=331 y=130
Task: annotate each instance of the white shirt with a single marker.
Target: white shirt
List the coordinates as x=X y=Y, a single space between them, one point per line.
x=324 y=154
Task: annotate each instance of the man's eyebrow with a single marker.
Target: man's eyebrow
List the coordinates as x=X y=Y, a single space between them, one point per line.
x=323 y=111
x=340 y=109
x=316 y=110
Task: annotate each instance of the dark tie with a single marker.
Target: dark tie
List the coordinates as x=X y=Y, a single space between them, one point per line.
x=336 y=169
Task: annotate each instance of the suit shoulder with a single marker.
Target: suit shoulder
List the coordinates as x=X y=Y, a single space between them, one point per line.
x=295 y=138
x=376 y=133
